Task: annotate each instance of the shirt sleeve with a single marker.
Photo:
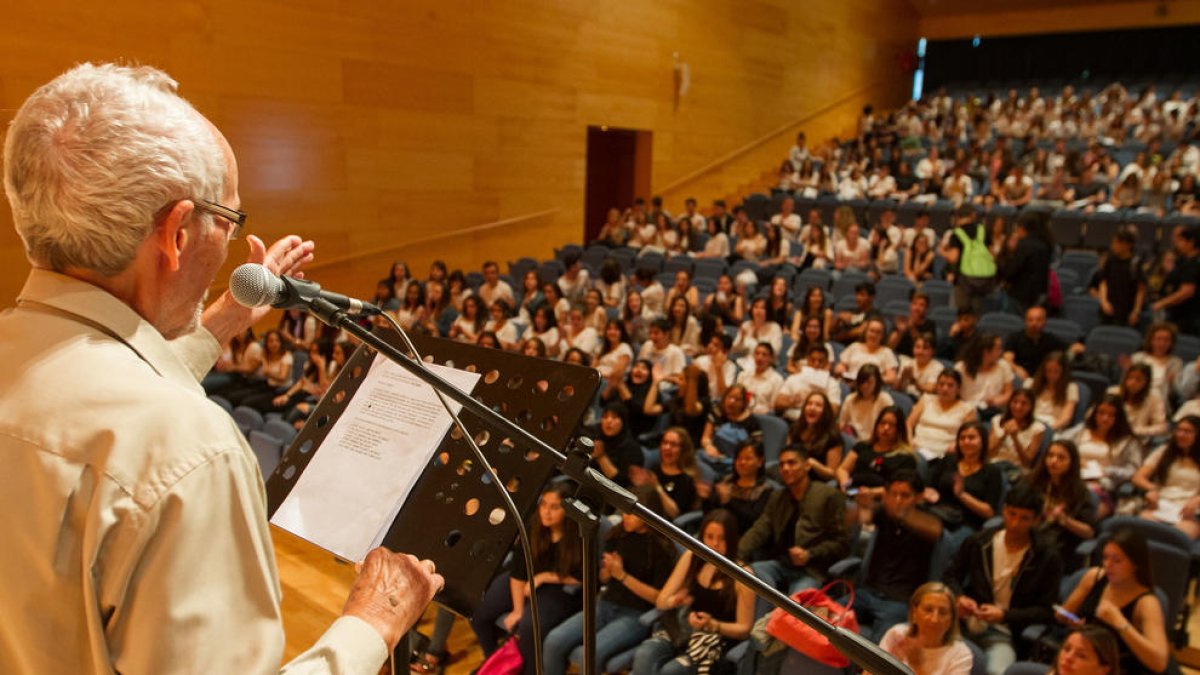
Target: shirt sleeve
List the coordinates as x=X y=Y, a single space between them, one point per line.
x=198 y=350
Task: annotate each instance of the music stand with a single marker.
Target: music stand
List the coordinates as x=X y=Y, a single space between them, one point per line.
x=453 y=515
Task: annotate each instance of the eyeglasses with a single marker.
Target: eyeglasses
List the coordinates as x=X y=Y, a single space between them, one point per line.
x=238 y=218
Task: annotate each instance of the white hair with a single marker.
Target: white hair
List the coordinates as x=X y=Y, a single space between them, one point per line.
x=93 y=158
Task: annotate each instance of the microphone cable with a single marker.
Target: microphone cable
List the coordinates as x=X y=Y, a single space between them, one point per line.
x=509 y=506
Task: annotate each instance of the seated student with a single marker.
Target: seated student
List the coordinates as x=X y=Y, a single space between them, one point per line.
x=728 y=428
x=719 y=610
x=674 y=478
x=849 y=326
x=878 y=458
x=919 y=374
x=685 y=329
x=1016 y=436
x=813 y=378
x=1025 y=350
x=936 y=418
x=987 y=378
x=810 y=336
x=929 y=644
x=1088 y=650
x=817 y=430
x=744 y=492
x=556 y=568
x=1006 y=578
x=616 y=450
x=801 y=532
x=1069 y=517
x=758 y=328
x=962 y=333
x=720 y=370
x=1146 y=410
x=662 y=355
x=905 y=535
x=964 y=487
x=634 y=567
x=1156 y=353
x=1055 y=395
x=859 y=410
x=1109 y=452
x=1170 y=479
x=869 y=351
x=1119 y=595
x=906 y=329
x=762 y=381
x=576 y=334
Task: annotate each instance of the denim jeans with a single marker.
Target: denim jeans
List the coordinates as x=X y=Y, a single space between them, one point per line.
x=617 y=629
x=876 y=614
x=658 y=657
x=783 y=577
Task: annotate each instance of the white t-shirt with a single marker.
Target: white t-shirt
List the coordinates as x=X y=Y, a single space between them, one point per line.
x=985 y=384
x=762 y=387
x=860 y=414
x=809 y=381
x=923 y=378
x=1008 y=449
x=672 y=359
x=952 y=659
x=1045 y=409
x=502 y=290
x=790 y=226
x=858 y=355
x=729 y=371
x=937 y=429
x=607 y=362
x=1005 y=564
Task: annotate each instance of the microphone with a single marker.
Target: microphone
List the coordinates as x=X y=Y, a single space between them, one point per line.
x=253 y=285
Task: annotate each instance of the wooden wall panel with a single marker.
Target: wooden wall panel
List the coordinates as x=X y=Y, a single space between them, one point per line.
x=369 y=125
x=1108 y=16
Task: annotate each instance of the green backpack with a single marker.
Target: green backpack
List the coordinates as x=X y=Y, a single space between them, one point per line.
x=976 y=260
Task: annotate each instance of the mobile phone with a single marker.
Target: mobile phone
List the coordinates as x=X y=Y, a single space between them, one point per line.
x=850 y=492
x=1062 y=611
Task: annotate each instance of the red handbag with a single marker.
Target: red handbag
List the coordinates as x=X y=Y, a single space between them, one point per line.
x=795 y=634
x=504 y=661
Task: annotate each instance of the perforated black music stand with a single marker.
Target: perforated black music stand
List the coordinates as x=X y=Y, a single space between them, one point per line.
x=453 y=515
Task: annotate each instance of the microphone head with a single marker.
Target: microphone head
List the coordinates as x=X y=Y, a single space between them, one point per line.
x=253 y=285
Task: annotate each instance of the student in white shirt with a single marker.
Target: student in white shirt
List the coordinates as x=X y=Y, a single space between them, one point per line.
x=763 y=382
x=929 y=643
x=813 y=377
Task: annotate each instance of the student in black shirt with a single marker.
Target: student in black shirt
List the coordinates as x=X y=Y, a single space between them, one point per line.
x=634 y=567
x=1026 y=271
x=905 y=535
x=909 y=328
x=1120 y=285
x=1026 y=349
x=615 y=448
x=1179 y=297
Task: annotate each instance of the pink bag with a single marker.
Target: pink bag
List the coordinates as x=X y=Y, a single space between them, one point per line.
x=504 y=661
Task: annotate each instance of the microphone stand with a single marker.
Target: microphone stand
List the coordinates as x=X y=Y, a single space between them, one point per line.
x=858 y=649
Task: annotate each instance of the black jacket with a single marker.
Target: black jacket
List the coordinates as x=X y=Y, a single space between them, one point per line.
x=1027 y=271
x=1035 y=587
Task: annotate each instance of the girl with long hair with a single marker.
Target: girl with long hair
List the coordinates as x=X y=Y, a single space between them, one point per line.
x=1119 y=595
x=1156 y=353
x=726 y=303
x=861 y=408
x=1055 y=395
x=964 y=486
x=1170 y=479
x=685 y=329
x=615 y=351
x=758 y=328
x=1145 y=408
x=918 y=264
x=816 y=430
x=1069 y=515
x=1016 y=434
x=674 y=478
x=813 y=307
x=937 y=417
x=875 y=459
x=1109 y=452
x=987 y=376
x=719 y=611
x=556 y=568
x=636 y=563
x=746 y=490
x=544 y=327
x=1088 y=650
x=728 y=428
x=470 y=323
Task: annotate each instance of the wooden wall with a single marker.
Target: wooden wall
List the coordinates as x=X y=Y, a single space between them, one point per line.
x=1106 y=16
x=365 y=125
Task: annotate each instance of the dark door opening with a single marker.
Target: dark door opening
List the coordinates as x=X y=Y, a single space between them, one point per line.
x=618 y=170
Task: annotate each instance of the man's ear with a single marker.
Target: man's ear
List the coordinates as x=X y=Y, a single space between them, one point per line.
x=172 y=233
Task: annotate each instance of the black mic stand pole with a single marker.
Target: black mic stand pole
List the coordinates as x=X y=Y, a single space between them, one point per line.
x=858 y=649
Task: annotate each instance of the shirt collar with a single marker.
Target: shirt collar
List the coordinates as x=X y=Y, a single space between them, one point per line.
x=93 y=305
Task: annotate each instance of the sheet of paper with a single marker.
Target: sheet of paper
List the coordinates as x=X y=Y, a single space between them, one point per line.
x=356 y=483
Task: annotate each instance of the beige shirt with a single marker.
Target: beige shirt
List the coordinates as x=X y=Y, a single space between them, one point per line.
x=135 y=530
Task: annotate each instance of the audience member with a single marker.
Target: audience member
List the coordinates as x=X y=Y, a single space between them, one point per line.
x=929 y=643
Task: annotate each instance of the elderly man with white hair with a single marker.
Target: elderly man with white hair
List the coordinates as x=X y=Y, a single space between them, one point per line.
x=135 y=532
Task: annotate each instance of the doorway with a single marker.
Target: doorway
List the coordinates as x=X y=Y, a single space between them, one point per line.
x=618 y=170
